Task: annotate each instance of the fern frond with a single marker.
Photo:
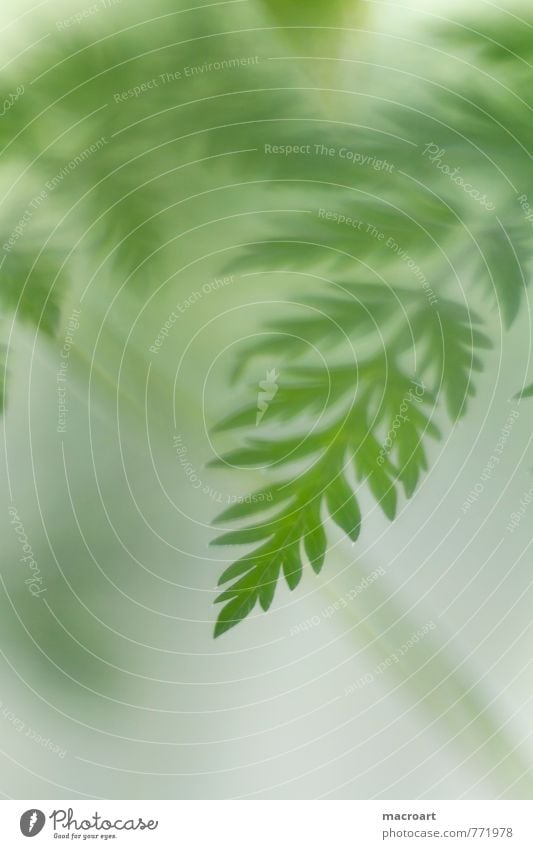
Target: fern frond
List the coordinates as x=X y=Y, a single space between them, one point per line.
x=289 y=517
x=451 y=343
x=297 y=525
x=504 y=266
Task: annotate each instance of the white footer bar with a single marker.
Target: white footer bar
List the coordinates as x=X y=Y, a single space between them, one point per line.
x=268 y=824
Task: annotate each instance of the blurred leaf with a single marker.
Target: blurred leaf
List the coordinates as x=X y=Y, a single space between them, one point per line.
x=525 y=393
x=503 y=265
x=343 y=507
x=452 y=339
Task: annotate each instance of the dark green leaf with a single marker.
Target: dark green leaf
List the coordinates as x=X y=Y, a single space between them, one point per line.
x=343 y=507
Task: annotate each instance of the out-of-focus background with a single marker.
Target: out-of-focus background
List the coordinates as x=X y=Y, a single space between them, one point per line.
x=112 y=685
